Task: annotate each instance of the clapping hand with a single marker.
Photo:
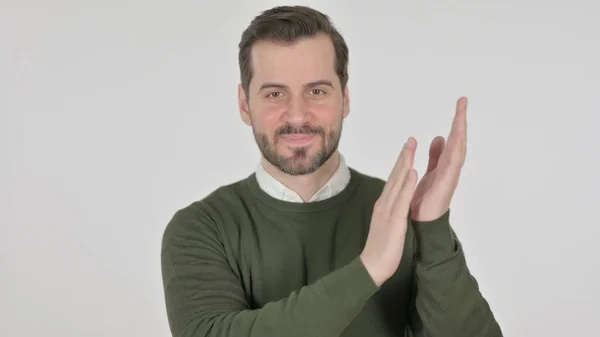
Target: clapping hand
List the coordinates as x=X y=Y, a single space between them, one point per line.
x=434 y=192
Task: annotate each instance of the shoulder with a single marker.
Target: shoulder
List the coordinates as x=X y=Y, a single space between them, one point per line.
x=370 y=186
x=205 y=215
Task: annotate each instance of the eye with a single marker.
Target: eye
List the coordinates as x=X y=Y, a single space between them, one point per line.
x=317 y=92
x=275 y=94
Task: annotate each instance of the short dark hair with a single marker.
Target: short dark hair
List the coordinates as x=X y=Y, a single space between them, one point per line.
x=287 y=24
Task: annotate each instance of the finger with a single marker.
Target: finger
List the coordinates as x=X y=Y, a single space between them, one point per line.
x=458 y=133
x=453 y=156
x=435 y=151
x=403 y=201
x=396 y=177
x=398 y=174
x=424 y=185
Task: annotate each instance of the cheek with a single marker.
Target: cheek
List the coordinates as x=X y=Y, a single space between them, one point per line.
x=266 y=121
x=327 y=116
x=271 y=118
x=264 y=117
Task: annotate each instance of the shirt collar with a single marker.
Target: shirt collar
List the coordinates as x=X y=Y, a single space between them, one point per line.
x=338 y=181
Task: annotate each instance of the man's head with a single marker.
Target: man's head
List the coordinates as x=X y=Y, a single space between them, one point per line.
x=294 y=71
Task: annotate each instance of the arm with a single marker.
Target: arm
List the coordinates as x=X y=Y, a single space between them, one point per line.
x=447 y=301
x=204 y=298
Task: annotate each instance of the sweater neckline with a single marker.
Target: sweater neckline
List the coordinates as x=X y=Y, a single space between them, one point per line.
x=308 y=207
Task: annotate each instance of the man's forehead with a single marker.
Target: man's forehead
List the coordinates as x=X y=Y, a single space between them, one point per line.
x=303 y=60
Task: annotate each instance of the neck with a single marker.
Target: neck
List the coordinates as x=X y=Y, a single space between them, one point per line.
x=305 y=185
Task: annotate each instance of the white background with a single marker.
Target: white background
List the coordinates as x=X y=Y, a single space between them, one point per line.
x=114 y=114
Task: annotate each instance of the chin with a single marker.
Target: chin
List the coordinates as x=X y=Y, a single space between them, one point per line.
x=295 y=157
x=298 y=169
x=296 y=161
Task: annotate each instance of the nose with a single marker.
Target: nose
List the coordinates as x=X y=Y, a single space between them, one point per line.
x=297 y=112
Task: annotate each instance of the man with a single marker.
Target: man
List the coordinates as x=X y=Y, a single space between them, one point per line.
x=307 y=246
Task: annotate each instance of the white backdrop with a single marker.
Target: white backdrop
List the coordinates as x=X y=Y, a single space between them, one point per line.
x=114 y=114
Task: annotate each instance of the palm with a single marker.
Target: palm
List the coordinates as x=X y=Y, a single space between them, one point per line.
x=435 y=190
x=423 y=190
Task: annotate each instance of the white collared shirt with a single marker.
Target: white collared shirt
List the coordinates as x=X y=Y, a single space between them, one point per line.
x=276 y=189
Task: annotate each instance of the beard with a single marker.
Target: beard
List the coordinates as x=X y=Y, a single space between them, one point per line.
x=299 y=162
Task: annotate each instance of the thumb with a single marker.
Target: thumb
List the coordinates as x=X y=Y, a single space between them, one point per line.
x=435 y=151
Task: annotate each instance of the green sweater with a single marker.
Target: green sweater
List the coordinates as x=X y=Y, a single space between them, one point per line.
x=240 y=263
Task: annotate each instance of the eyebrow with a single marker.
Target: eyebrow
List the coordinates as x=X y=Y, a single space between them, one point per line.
x=307 y=85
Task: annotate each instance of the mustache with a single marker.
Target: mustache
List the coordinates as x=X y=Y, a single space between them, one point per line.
x=305 y=129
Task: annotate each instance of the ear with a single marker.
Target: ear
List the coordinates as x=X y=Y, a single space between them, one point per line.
x=243 y=104
x=346 y=101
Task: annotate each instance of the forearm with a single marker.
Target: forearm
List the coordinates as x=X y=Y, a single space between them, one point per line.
x=448 y=301
x=204 y=298
x=324 y=308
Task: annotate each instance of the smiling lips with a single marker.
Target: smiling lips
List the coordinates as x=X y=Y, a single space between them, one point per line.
x=298 y=139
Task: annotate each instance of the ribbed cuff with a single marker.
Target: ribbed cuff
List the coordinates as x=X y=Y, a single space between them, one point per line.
x=350 y=287
x=435 y=240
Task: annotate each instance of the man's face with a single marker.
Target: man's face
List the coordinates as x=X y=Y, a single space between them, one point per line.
x=295 y=103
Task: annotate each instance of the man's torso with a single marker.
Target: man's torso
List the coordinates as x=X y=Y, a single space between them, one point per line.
x=275 y=253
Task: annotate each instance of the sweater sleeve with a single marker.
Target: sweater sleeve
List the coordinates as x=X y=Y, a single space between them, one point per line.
x=446 y=297
x=204 y=298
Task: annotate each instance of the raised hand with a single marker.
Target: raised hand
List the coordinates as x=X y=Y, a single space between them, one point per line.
x=435 y=191
x=385 y=241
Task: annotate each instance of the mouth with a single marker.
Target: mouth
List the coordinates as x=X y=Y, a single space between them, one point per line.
x=297 y=139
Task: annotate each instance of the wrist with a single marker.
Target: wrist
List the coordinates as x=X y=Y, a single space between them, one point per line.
x=435 y=239
x=377 y=275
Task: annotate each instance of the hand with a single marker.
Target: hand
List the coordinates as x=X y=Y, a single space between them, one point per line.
x=434 y=192
x=385 y=241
